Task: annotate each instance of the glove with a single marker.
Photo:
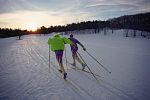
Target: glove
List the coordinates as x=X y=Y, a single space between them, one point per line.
x=84 y=48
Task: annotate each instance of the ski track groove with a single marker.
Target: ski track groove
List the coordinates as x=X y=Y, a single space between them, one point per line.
x=101 y=85
x=75 y=88
x=110 y=86
x=85 y=71
x=27 y=82
x=18 y=61
x=37 y=85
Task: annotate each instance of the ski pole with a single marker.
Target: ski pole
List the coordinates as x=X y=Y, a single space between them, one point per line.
x=66 y=57
x=88 y=67
x=98 y=62
x=49 y=58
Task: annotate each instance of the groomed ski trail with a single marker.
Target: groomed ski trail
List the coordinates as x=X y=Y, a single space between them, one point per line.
x=28 y=65
x=107 y=86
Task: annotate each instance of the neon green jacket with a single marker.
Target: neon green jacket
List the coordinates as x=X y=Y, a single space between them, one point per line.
x=57 y=43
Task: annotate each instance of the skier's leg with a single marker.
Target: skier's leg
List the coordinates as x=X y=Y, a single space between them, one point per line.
x=74 y=57
x=59 y=55
x=62 y=68
x=61 y=65
x=59 y=59
x=81 y=62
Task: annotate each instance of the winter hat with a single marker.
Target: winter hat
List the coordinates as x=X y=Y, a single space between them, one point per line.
x=71 y=35
x=56 y=35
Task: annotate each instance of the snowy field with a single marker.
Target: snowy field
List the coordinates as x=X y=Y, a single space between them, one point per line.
x=24 y=69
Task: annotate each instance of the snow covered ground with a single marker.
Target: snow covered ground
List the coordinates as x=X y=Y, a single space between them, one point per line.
x=24 y=71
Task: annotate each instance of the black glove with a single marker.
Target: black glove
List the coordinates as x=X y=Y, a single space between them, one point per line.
x=84 y=48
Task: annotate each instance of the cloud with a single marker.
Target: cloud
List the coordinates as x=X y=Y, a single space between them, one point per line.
x=70 y=5
x=114 y=7
x=16 y=5
x=104 y=9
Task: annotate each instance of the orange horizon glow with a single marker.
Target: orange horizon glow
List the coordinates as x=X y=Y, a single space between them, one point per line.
x=32 y=20
x=32 y=27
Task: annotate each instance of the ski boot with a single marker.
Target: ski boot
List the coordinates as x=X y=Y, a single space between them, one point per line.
x=65 y=75
x=83 y=66
x=60 y=70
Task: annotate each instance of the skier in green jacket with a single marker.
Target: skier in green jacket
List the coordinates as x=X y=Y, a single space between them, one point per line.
x=57 y=45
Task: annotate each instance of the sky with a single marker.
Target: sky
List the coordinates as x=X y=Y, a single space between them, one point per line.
x=32 y=14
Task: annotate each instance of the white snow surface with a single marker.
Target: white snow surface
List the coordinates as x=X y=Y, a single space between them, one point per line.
x=24 y=69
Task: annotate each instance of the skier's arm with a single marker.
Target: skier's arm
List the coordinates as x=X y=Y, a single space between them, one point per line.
x=82 y=46
x=68 y=41
x=49 y=41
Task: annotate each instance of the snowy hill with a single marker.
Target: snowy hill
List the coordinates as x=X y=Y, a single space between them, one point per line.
x=24 y=70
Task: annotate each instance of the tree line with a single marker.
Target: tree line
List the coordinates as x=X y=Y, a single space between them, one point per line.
x=137 y=22
x=8 y=32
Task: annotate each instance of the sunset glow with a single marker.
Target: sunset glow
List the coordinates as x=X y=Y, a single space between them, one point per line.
x=32 y=27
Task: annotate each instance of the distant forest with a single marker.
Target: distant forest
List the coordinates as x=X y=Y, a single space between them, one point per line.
x=139 y=22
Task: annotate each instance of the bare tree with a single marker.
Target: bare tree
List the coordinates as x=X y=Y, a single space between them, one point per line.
x=126 y=32
x=105 y=31
x=134 y=33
